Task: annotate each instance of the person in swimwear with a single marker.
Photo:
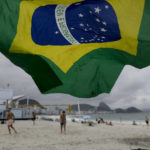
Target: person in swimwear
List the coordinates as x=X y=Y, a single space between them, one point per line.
x=33 y=117
x=10 y=120
x=147 y=120
x=63 y=122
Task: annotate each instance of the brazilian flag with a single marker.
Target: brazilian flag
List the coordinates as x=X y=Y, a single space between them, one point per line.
x=73 y=46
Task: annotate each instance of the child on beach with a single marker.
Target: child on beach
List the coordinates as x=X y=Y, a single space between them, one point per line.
x=10 y=120
x=63 y=122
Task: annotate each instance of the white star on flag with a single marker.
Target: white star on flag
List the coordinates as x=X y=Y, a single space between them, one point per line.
x=90 y=12
x=97 y=10
x=103 y=37
x=106 y=6
x=56 y=32
x=104 y=23
x=81 y=24
x=103 y=30
x=97 y=20
x=80 y=15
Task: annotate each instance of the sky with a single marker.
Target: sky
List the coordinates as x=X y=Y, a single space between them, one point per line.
x=131 y=89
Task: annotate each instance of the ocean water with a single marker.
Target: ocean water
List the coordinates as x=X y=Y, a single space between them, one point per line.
x=126 y=118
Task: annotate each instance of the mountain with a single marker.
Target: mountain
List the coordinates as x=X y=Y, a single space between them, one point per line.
x=132 y=110
x=86 y=107
x=128 y=110
x=103 y=107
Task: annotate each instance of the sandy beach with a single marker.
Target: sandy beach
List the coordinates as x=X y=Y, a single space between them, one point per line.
x=45 y=135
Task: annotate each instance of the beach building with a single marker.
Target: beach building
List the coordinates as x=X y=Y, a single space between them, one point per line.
x=21 y=106
x=5 y=96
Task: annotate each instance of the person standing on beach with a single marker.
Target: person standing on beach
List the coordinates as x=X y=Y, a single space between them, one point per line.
x=63 y=122
x=147 y=120
x=33 y=117
x=10 y=120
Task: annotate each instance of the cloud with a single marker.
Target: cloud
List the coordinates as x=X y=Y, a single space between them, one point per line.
x=131 y=89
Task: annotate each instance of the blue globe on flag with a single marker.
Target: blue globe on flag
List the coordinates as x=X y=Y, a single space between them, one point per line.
x=85 y=22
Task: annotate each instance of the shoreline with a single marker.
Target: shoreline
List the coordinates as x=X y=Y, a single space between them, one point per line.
x=77 y=118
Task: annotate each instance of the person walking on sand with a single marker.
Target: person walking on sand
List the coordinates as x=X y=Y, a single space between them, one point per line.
x=10 y=120
x=63 y=122
x=147 y=120
x=33 y=117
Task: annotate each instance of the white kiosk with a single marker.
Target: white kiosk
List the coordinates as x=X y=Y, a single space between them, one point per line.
x=6 y=95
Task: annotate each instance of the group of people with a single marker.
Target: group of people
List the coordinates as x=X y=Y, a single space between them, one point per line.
x=146 y=121
x=100 y=120
x=11 y=119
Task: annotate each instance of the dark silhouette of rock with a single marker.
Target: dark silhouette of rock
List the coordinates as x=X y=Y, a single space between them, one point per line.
x=132 y=110
x=103 y=107
x=128 y=110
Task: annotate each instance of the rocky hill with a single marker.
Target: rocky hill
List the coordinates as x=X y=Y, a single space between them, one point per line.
x=102 y=107
x=128 y=110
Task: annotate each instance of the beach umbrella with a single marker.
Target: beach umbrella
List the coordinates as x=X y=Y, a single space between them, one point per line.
x=87 y=117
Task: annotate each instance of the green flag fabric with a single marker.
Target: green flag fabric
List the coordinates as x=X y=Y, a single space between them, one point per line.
x=75 y=47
